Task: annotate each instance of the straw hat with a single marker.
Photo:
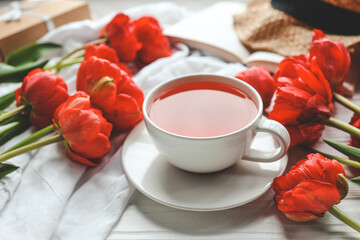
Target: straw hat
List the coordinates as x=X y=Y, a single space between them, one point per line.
x=263 y=27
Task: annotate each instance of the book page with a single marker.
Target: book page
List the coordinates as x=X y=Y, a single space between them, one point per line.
x=211 y=30
x=267 y=59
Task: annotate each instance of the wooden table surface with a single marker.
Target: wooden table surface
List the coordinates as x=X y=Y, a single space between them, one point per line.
x=146 y=219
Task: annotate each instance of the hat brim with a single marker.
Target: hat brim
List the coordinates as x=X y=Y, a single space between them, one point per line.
x=262 y=27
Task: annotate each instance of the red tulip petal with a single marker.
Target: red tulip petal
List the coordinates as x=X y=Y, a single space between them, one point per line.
x=105 y=96
x=122 y=38
x=39 y=121
x=125 y=68
x=309 y=189
x=42 y=92
x=330 y=168
x=73 y=156
x=104 y=51
x=106 y=127
x=310 y=196
x=125 y=114
x=101 y=51
x=135 y=92
x=317 y=35
x=302 y=216
x=79 y=100
x=99 y=78
x=315 y=167
x=289 y=104
x=327 y=92
x=318 y=86
x=154 y=44
x=79 y=126
x=332 y=57
x=307 y=133
x=93 y=149
x=286 y=69
x=261 y=80
x=355 y=121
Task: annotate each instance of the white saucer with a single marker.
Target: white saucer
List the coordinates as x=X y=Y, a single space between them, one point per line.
x=156 y=178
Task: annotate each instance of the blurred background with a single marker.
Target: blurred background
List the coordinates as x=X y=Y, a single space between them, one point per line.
x=99 y=8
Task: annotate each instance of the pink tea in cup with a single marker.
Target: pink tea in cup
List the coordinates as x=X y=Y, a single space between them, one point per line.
x=202 y=109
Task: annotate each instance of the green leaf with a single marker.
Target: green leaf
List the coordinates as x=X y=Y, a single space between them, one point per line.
x=19 y=63
x=6 y=100
x=17 y=74
x=356 y=180
x=351 y=152
x=342 y=185
x=13 y=130
x=5 y=67
x=16 y=118
x=6 y=168
x=30 y=53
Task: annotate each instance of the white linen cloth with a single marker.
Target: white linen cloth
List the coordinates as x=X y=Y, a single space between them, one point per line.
x=50 y=197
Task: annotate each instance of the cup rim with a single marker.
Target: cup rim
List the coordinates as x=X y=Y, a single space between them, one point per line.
x=146 y=103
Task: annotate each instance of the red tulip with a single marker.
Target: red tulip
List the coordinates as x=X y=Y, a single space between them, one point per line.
x=121 y=37
x=303 y=96
x=104 y=51
x=112 y=90
x=85 y=130
x=261 y=80
x=355 y=121
x=306 y=133
x=154 y=44
x=41 y=92
x=98 y=78
x=310 y=188
x=80 y=100
x=127 y=110
x=332 y=57
x=287 y=68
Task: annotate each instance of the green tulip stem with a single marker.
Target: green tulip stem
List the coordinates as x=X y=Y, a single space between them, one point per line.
x=345 y=219
x=343 y=126
x=68 y=63
x=14 y=125
x=346 y=161
x=6 y=100
x=32 y=138
x=12 y=112
x=346 y=102
x=31 y=146
x=60 y=62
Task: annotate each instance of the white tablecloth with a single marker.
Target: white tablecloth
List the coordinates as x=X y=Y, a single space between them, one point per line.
x=50 y=197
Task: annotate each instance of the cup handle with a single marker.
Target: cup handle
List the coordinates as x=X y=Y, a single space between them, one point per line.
x=278 y=131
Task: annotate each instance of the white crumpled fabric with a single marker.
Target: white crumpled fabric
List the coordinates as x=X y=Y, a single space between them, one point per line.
x=50 y=197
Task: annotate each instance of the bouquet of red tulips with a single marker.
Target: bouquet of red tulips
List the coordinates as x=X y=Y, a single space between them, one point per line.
x=303 y=89
x=107 y=99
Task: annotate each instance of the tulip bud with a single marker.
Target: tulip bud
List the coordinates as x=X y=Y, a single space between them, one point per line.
x=85 y=131
x=105 y=52
x=332 y=57
x=154 y=44
x=260 y=79
x=42 y=91
x=122 y=38
x=311 y=188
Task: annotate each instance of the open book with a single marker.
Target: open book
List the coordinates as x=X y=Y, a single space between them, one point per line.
x=212 y=30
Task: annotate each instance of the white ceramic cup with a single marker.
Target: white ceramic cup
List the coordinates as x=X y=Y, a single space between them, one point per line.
x=211 y=154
